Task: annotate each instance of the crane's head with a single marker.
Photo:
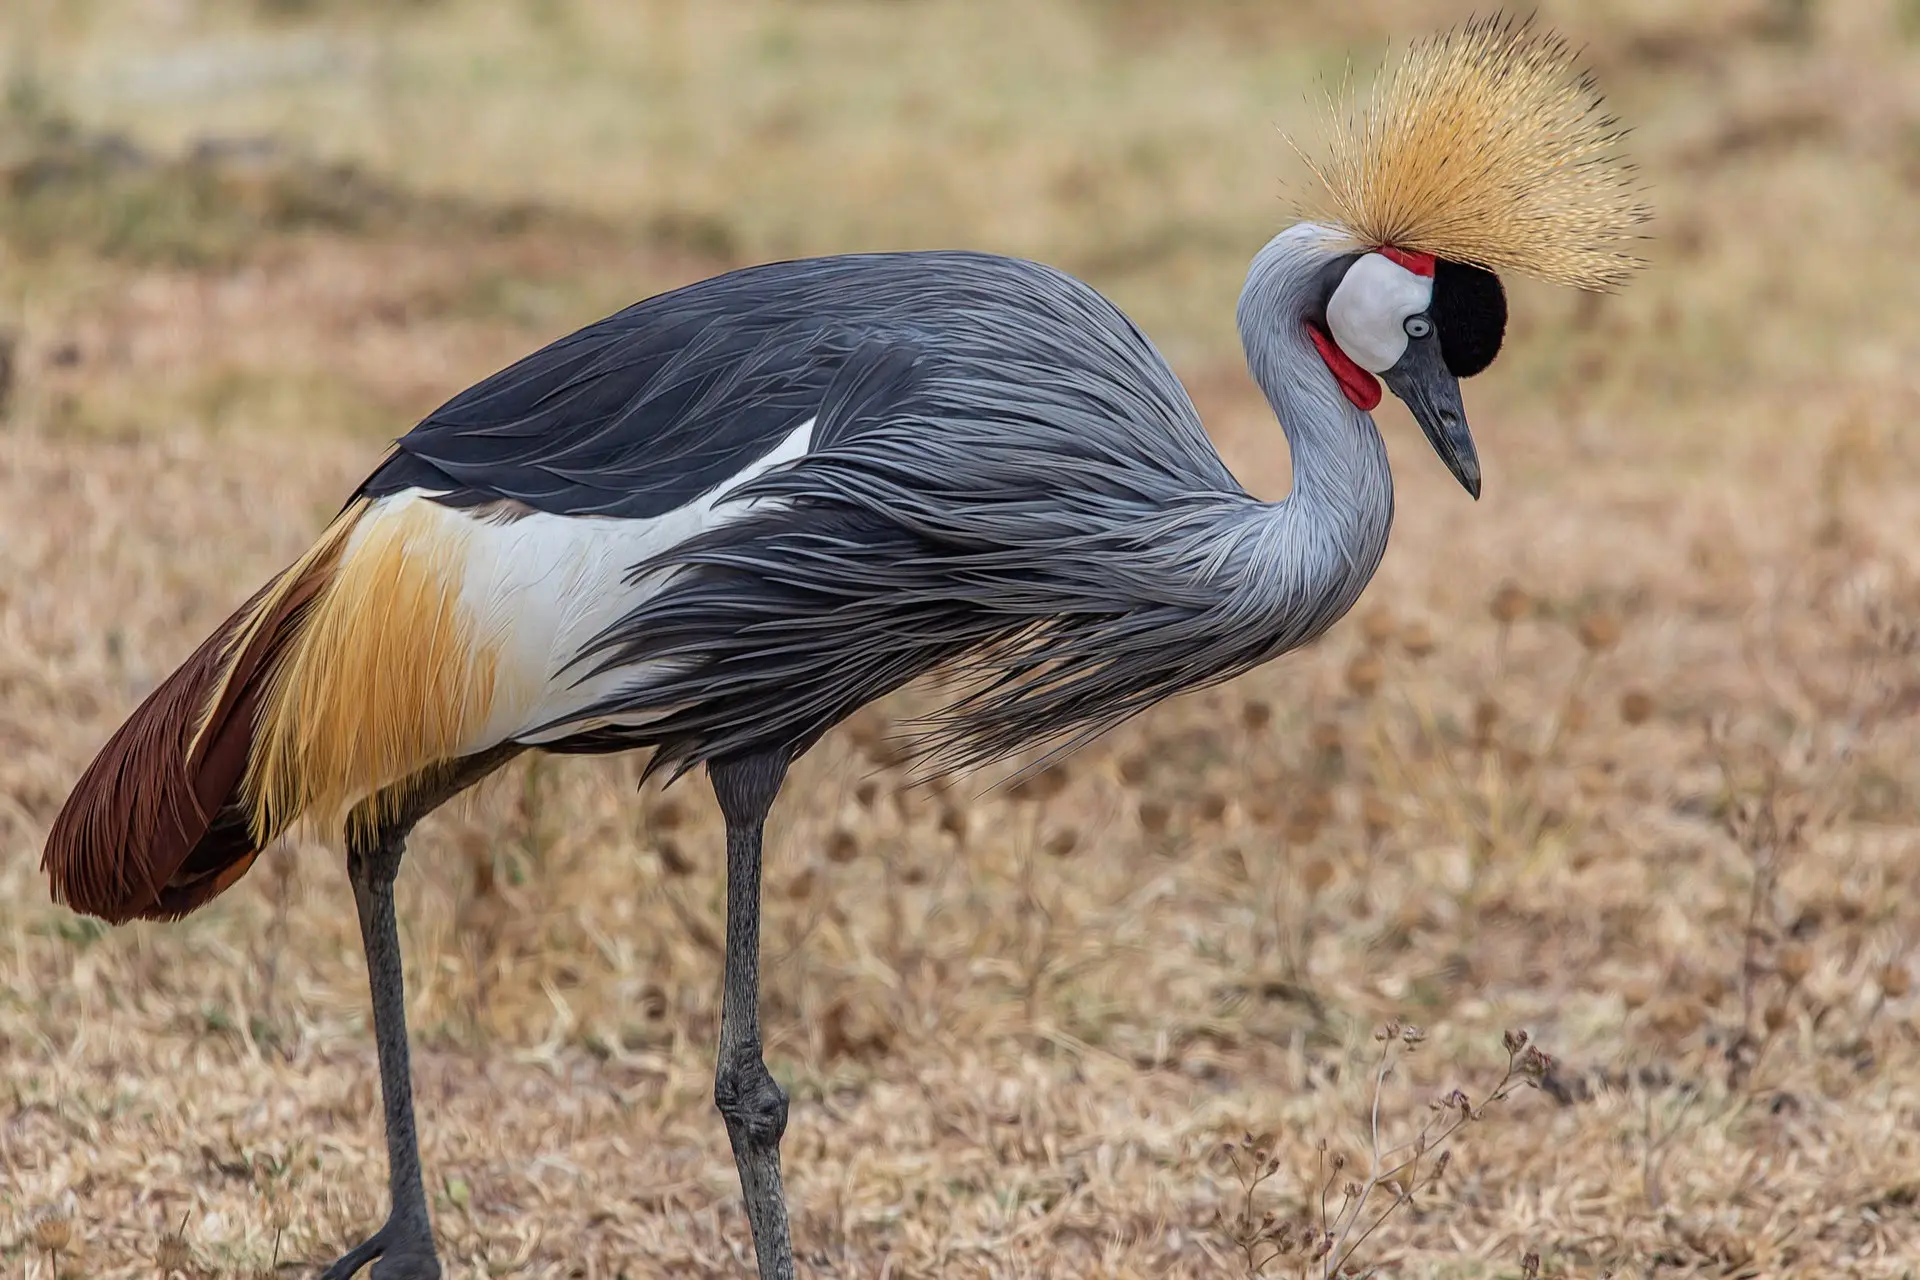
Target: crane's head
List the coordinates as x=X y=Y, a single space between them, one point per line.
x=1483 y=150
x=1421 y=324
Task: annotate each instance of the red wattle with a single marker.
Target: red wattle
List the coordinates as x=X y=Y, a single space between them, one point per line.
x=1421 y=264
x=1361 y=387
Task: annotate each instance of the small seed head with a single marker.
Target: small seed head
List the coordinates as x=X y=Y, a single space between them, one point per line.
x=673 y=860
x=1508 y=604
x=1599 y=631
x=1636 y=706
x=888 y=752
x=1676 y=1015
x=1303 y=824
x=1486 y=714
x=866 y=728
x=1794 y=963
x=53 y=1231
x=843 y=845
x=1316 y=875
x=1418 y=641
x=1377 y=815
x=1894 y=980
x=1364 y=674
x=1255 y=714
x=1378 y=626
x=1516 y=762
x=280 y=1213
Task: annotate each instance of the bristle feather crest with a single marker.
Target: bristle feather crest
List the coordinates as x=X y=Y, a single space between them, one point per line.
x=1485 y=144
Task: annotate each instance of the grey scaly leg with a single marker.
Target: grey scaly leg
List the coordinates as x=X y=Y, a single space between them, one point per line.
x=753 y=1106
x=404 y=1245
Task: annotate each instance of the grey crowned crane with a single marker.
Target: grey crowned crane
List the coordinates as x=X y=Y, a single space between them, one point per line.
x=716 y=523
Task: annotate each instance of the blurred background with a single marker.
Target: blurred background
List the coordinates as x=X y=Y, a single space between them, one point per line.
x=1623 y=755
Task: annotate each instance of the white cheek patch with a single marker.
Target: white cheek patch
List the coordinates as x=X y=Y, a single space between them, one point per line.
x=1368 y=312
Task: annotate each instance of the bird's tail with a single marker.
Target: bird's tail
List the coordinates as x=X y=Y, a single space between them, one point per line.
x=158 y=825
x=355 y=669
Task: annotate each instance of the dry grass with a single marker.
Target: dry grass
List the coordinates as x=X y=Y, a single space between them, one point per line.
x=1624 y=755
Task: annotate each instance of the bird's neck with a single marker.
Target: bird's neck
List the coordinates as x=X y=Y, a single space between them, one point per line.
x=1341 y=507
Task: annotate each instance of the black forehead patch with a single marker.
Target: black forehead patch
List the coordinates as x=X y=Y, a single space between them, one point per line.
x=1469 y=311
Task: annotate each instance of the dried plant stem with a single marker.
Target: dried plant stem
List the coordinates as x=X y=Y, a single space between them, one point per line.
x=1337 y=1235
x=1338 y=1255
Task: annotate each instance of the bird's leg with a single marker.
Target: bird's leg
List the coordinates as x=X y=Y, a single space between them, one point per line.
x=404 y=1245
x=402 y=1249
x=754 y=1107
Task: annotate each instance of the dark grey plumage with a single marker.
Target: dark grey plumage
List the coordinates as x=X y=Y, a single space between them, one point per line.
x=1004 y=477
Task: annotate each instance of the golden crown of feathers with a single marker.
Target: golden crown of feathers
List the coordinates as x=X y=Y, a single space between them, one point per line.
x=1485 y=144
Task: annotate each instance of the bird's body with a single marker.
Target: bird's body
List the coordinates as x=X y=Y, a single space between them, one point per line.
x=792 y=488
x=720 y=521
x=723 y=519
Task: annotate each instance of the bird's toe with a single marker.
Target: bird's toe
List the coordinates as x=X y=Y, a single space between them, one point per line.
x=396 y=1254
x=416 y=1263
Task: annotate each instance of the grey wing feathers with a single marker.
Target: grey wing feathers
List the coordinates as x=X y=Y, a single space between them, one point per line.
x=1004 y=479
x=641 y=413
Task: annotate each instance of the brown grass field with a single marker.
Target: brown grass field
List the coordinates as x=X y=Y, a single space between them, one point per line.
x=1623 y=755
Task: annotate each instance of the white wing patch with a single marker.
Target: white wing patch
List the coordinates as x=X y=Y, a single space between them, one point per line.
x=1368 y=311
x=538 y=588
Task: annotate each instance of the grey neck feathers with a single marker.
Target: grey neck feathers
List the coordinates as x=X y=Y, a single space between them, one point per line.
x=1326 y=538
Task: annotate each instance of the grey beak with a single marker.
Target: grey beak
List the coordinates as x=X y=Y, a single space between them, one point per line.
x=1423 y=383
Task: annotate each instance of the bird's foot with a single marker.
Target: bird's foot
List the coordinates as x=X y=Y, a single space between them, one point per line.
x=398 y=1251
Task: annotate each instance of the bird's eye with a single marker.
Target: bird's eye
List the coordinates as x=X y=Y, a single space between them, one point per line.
x=1418 y=326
